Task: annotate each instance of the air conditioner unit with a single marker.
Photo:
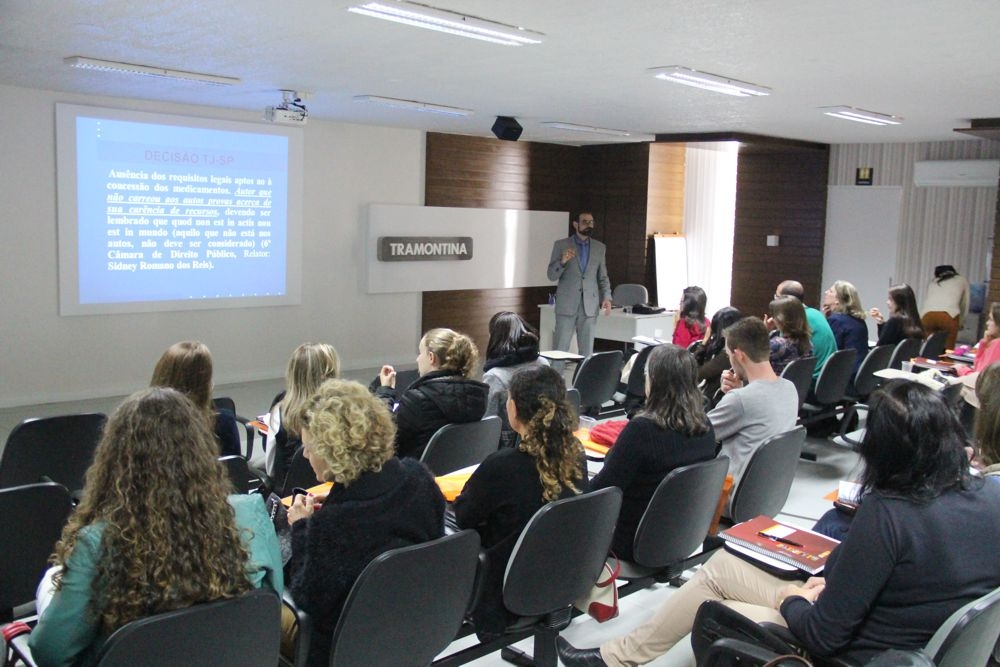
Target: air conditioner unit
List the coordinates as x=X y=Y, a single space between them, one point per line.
x=957 y=173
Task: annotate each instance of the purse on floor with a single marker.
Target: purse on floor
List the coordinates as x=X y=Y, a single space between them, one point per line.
x=601 y=601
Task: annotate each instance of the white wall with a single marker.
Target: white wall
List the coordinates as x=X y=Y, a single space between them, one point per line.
x=937 y=225
x=47 y=358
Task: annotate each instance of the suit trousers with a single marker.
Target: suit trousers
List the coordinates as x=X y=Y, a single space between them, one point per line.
x=582 y=325
x=725 y=577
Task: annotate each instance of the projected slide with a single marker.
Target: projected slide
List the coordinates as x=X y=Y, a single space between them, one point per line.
x=169 y=214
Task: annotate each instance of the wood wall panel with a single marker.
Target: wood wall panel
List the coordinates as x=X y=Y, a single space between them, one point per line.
x=477 y=172
x=781 y=189
x=665 y=200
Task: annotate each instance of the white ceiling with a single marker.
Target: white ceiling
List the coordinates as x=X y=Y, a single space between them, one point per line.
x=934 y=63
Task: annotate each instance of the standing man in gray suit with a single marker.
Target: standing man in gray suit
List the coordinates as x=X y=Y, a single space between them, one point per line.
x=578 y=264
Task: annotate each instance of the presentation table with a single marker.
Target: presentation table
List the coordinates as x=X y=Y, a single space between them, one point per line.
x=616 y=325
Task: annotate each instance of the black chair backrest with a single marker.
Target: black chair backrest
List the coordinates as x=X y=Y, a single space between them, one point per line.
x=800 y=373
x=768 y=475
x=456 y=446
x=969 y=635
x=560 y=553
x=905 y=350
x=224 y=403
x=833 y=380
x=408 y=604
x=629 y=294
x=933 y=345
x=57 y=449
x=299 y=473
x=636 y=385
x=597 y=378
x=680 y=513
x=877 y=359
x=227 y=633
x=31 y=520
x=238 y=471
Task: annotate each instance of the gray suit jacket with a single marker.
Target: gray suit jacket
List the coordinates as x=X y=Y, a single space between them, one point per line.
x=593 y=284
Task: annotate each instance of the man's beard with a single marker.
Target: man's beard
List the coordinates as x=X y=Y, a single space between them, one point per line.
x=587 y=232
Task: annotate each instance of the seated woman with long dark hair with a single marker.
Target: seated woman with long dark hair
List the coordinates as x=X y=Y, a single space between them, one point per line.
x=187 y=367
x=153 y=531
x=921 y=545
x=791 y=338
x=445 y=392
x=670 y=431
x=512 y=484
x=711 y=354
x=904 y=318
x=377 y=503
x=513 y=345
x=691 y=323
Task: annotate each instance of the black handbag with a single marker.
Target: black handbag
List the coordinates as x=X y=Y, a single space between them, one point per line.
x=715 y=621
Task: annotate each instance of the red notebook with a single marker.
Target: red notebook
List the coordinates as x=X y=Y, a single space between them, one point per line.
x=795 y=547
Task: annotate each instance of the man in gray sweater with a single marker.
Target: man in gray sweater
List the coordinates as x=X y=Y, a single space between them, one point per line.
x=757 y=403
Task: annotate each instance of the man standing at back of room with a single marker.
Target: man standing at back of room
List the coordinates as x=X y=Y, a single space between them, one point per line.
x=757 y=403
x=823 y=341
x=577 y=263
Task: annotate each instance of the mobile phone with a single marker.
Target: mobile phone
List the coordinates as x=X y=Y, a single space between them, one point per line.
x=298 y=491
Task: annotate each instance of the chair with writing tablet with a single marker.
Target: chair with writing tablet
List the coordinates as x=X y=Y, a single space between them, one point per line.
x=457 y=446
x=57 y=449
x=767 y=477
x=800 y=373
x=236 y=632
x=674 y=525
x=905 y=350
x=32 y=518
x=933 y=345
x=597 y=379
x=405 y=607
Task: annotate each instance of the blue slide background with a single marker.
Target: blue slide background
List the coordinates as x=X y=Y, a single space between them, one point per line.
x=104 y=145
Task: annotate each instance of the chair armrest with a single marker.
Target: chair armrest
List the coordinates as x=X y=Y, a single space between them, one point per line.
x=305 y=625
x=478 y=585
x=19 y=646
x=728 y=651
x=861 y=411
x=250 y=431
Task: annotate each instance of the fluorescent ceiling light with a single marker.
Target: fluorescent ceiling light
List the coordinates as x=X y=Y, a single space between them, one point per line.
x=861 y=116
x=414 y=105
x=713 y=82
x=145 y=70
x=589 y=129
x=453 y=23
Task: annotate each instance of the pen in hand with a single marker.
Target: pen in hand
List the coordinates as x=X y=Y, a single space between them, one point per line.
x=779 y=539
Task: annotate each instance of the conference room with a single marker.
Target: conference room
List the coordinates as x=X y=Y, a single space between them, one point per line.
x=753 y=190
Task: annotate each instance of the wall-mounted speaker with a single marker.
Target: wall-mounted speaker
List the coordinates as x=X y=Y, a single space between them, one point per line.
x=507 y=128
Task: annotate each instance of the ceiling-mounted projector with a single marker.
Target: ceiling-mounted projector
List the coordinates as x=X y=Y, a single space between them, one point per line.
x=291 y=111
x=285 y=116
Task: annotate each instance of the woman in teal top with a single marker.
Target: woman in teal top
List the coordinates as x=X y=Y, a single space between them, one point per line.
x=153 y=531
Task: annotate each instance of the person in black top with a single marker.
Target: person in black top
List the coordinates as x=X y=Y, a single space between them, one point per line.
x=711 y=354
x=377 y=503
x=904 y=318
x=671 y=431
x=922 y=545
x=445 y=392
x=187 y=367
x=513 y=483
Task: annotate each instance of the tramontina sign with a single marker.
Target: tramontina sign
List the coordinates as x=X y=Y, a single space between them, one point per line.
x=424 y=248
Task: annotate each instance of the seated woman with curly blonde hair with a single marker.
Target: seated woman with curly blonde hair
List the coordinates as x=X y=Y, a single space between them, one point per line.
x=137 y=544
x=377 y=503
x=514 y=483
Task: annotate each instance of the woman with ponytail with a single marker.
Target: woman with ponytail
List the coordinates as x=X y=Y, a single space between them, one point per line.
x=512 y=484
x=445 y=392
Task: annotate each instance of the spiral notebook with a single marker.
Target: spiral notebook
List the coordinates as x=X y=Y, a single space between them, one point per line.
x=795 y=547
